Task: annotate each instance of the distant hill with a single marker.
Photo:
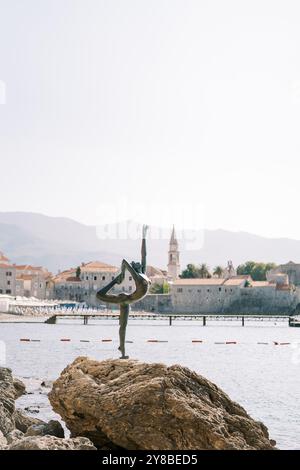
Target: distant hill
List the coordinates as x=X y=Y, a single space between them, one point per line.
x=59 y=243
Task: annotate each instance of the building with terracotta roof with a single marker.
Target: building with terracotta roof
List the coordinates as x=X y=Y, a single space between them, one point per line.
x=97 y=267
x=33 y=281
x=93 y=276
x=156 y=275
x=3 y=259
x=7 y=276
x=24 y=280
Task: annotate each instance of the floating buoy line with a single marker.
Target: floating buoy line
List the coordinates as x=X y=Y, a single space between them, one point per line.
x=152 y=340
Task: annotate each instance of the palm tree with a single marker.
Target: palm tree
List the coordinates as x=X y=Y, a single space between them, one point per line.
x=204 y=271
x=218 y=271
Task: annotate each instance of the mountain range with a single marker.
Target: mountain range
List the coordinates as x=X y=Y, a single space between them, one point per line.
x=60 y=243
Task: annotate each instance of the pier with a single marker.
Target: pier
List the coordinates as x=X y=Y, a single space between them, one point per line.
x=170 y=318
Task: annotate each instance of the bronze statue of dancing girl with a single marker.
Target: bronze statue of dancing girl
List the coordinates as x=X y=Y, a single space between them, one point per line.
x=138 y=273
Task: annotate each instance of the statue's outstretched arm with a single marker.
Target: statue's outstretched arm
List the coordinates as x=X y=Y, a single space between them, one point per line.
x=140 y=282
x=104 y=290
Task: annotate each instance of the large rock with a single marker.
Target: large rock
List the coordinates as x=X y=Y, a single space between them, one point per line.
x=14 y=436
x=132 y=405
x=3 y=441
x=8 y=394
x=23 y=421
x=19 y=387
x=51 y=443
x=14 y=423
x=53 y=428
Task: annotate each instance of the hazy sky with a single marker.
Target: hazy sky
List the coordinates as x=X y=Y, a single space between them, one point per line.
x=165 y=102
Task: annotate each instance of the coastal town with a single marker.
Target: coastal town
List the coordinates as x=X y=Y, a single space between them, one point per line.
x=149 y=242
x=223 y=292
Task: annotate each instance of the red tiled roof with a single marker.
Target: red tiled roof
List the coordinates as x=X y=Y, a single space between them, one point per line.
x=3 y=258
x=94 y=266
x=25 y=277
x=242 y=276
x=28 y=267
x=65 y=274
x=235 y=281
x=73 y=279
x=153 y=271
x=213 y=281
x=263 y=284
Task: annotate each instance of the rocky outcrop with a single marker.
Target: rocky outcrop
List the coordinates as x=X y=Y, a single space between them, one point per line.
x=51 y=443
x=3 y=441
x=10 y=389
x=19 y=387
x=14 y=435
x=23 y=421
x=19 y=431
x=133 y=405
x=53 y=428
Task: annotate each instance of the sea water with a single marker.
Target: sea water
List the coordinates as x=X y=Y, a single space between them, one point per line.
x=264 y=377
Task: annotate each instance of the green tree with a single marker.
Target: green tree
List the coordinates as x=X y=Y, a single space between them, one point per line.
x=204 y=271
x=257 y=271
x=156 y=288
x=246 y=268
x=218 y=271
x=166 y=288
x=78 y=272
x=191 y=272
x=195 y=272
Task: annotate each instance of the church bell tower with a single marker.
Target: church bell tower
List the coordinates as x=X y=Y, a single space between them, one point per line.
x=173 y=263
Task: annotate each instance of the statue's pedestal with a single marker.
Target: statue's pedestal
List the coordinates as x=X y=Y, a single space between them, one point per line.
x=151 y=406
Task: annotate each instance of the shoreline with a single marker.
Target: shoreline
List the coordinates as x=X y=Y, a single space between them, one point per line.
x=13 y=318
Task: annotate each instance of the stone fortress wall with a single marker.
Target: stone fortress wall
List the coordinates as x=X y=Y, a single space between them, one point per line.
x=243 y=300
x=161 y=303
